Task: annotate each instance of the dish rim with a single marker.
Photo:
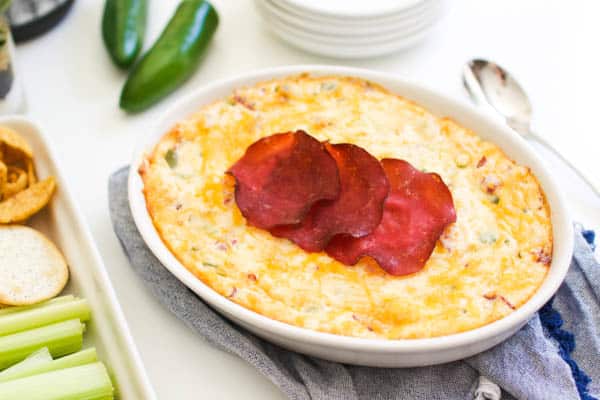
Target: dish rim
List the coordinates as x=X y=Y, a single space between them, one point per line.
x=403 y=33
x=359 y=28
x=562 y=239
x=385 y=12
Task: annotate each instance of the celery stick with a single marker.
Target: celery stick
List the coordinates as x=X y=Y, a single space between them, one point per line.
x=61 y=338
x=82 y=357
x=40 y=316
x=86 y=382
x=60 y=299
x=40 y=356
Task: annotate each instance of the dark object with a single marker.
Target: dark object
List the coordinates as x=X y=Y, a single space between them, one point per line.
x=123 y=29
x=6 y=81
x=173 y=58
x=31 y=18
x=7 y=75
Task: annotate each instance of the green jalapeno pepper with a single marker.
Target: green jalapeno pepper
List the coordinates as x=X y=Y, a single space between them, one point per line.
x=123 y=29
x=173 y=58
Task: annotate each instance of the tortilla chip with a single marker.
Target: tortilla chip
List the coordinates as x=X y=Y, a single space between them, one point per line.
x=31 y=177
x=15 y=146
x=16 y=181
x=27 y=202
x=3 y=178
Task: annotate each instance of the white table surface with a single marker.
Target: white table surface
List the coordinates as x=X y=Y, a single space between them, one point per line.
x=73 y=89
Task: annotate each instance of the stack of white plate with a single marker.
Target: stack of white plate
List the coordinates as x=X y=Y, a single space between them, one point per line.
x=351 y=28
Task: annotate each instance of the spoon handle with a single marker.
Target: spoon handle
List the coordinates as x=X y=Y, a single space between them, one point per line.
x=592 y=181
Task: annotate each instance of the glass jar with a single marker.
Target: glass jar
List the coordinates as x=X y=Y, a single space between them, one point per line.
x=11 y=93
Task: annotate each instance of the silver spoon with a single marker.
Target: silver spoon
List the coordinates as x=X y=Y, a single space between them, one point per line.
x=491 y=86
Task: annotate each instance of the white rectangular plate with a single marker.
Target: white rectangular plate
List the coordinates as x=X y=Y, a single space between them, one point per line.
x=62 y=222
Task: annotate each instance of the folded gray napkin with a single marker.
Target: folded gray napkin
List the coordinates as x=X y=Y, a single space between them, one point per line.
x=555 y=356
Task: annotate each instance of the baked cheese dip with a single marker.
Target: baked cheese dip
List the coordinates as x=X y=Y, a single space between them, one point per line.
x=487 y=264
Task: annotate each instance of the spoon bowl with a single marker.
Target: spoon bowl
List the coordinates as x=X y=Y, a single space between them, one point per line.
x=491 y=86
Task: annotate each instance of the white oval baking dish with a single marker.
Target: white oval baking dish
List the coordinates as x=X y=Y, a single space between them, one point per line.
x=63 y=223
x=371 y=352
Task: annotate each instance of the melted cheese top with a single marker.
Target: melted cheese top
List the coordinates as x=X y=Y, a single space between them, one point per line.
x=487 y=264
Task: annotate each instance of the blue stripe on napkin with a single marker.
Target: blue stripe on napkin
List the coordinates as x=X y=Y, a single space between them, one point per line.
x=552 y=323
x=590 y=237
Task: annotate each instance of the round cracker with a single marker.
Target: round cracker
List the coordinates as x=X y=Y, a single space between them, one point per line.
x=15 y=142
x=27 y=202
x=32 y=268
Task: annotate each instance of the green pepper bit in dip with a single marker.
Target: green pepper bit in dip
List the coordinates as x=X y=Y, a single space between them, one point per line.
x=171 y=158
